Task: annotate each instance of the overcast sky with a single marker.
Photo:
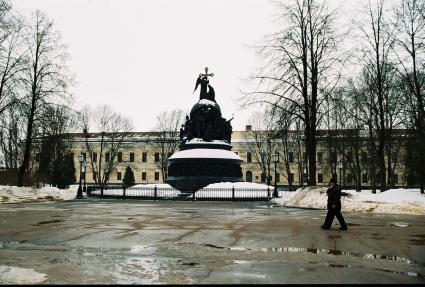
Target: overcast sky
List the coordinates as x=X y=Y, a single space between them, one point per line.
x=143 y=56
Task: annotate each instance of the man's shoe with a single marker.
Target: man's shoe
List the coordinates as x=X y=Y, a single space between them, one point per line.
x=325 y=227
x=343 y=228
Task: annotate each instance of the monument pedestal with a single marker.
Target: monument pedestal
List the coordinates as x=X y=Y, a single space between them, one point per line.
x=200 y=164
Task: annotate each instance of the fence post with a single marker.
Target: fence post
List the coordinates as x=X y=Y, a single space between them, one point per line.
x=268 y=192
x=154 y=194
x=193 y=196
x=123 y=194
x=233 y=193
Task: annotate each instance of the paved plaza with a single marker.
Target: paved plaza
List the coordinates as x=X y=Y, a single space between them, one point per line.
x=165 y=242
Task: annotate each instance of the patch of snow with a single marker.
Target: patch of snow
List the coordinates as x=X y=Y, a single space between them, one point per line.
x=201 y=141
x=241 y=185
x=18 y=275
x=151 y=185
x=206 y=153
x=393 y=201
x=13 y=194
x=207 y=102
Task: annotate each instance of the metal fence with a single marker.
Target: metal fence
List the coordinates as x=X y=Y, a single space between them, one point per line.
x=166 y=193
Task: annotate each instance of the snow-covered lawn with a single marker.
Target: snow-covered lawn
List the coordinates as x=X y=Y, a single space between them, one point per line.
x=12 y=194
x=393 y=201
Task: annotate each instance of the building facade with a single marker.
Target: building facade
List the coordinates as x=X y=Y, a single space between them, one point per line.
x=334 y=158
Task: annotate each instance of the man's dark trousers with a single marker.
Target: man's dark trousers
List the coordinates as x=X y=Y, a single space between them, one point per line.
x=332 y=212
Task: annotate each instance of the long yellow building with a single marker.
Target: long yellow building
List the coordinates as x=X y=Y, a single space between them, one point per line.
x=333 y=159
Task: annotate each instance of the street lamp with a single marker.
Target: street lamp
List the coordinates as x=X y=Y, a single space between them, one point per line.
x=80 y=190
x=340 y=170
x=276 y=160
x=84 y=172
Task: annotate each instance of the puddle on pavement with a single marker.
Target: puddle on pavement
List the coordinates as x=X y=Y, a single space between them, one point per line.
x=419 y=240
x=49 y=221
x=368 y=256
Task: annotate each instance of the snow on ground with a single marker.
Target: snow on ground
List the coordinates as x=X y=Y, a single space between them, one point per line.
x=245 y=185
x=393 y=201
x=18 y=275
x=13 y=194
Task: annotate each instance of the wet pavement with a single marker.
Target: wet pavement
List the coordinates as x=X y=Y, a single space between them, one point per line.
x=165 y=242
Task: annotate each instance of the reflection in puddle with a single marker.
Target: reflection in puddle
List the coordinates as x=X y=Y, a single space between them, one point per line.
x=349 y=254
x=368 y=256
x=338 y=252
x=50 y=221
x=399 y=224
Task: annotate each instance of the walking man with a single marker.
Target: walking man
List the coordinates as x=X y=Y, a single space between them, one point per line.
x=334 y=206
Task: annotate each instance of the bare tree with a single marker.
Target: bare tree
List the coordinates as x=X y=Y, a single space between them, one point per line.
x=55 y=146
x=302 y=68
x=378 y=76
x=11 y=55
x=289 y=143
x=45 y=79
x=106 y=134
x=261 y=143
x=10 y=135
x=165 y=140
x=410 y=16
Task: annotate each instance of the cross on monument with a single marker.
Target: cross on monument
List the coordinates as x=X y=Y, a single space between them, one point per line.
x=206 y=75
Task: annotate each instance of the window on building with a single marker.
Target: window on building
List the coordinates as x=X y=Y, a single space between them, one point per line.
x=157 y=157
x=333 y=157
x=291 y=157
x=395 y=178
x=107 y=157
x=349 y=179
x=143 y=175
x=349 y=157
x=118 y=175
x=291 y=177
x=394 y=157
x=320 y=157
x=120 y=157
x=84 y=155
x=320 y=177
x=37 y=157
x=144 y=157
x=364 y=178
x=248 y=157
x=156 y=175
x=248 y=176
x=132 y=156
x=94 y=157
x=263 y=177
x=364 y=157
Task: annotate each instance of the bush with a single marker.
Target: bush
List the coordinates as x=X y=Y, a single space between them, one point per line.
x=128 y=177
